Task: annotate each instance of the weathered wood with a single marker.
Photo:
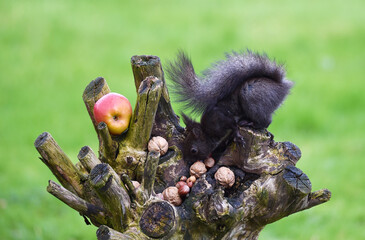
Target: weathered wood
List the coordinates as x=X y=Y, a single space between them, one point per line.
x=132 y=191
x=149 y=93
x=166 y=122
x=109 y=147
x=255 y=154
x=149 y=174
x=112 y=194
x=88 y=158
x=132 y=151
x=59 y=163
x=107 y=233
x=92 y=93
x=158 y=220
x=95 y=213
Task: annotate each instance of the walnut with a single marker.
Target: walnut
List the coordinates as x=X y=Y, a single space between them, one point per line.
x=158 y=144
x=209 y=162
x=225 y=177
x=198 y=169
x=171 y=194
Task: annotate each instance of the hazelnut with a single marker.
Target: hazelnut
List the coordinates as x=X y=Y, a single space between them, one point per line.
x=183 y=178
x=198 y=169
x=180 y=184
x=225 y=177
x=191 y=180
x=158 y=144
x=209 y=162
x=171 y=194
x=136 y=184
x=184 y=190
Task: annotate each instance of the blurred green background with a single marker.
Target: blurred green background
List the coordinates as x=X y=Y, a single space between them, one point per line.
x=50 y=50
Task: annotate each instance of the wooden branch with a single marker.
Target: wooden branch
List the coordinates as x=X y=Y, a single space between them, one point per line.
x=108 y=146
x=136 y=194
x=59 y=163
x=256 y=154
x=92 y=93
x=95 y=213
x=132 y=150
x=242 y=231
x=82 y=171
x=149 y=175
x=88 y=158
x=144 y=66
x=158 y=220
x=107 y=233
x=313 y=199
x=112 y=194
x=149 y=94
x=167 y=122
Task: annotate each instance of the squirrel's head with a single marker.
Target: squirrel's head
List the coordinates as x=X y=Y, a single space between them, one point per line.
x=196 y=145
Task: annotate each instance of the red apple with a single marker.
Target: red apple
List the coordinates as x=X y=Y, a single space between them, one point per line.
x=115 y=110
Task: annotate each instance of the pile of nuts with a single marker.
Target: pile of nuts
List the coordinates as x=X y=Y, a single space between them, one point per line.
x=177 y=193
x=182 y=188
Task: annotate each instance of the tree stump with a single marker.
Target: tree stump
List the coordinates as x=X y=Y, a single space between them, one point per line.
x=267 y=185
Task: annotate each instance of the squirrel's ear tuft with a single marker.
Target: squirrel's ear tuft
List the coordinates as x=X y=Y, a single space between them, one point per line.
x=188 y=121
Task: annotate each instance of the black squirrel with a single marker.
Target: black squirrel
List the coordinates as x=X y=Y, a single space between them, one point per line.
x=242 y=90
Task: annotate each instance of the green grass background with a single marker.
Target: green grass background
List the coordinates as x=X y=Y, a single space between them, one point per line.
x=50 y=50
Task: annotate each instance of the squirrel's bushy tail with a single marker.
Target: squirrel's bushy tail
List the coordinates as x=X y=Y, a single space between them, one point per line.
x=221 y=79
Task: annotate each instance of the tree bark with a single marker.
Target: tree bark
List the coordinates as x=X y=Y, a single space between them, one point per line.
x=268 y=186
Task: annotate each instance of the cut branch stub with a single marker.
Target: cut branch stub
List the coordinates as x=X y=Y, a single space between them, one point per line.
x=108 y=147
x=260 y=154
x=149 y=93
x=59 y=163
x=88 y=158
x=132 y=150
x=297 y=180
x=144 y=66
x=95 y=213
x=112 y=194
x=92 y=93
x=149 y=174
x=166 y=122
x=158 y=220
x=107 y=233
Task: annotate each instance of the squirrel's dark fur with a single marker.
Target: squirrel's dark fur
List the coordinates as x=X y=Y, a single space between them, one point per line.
x=242 y=90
